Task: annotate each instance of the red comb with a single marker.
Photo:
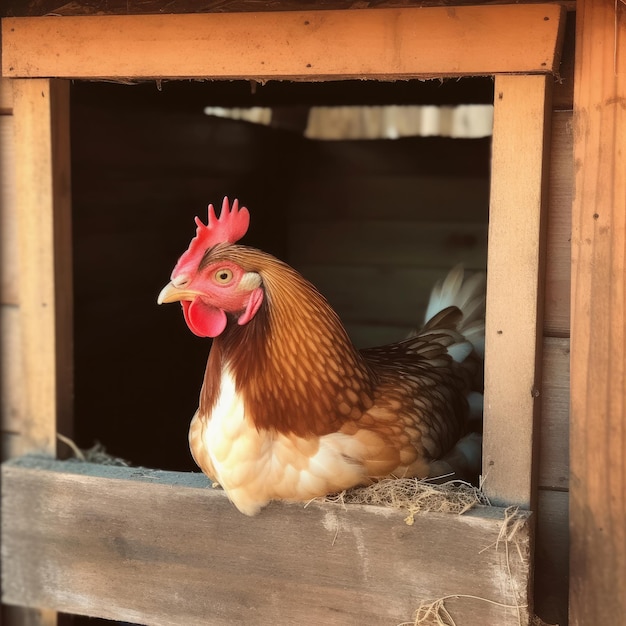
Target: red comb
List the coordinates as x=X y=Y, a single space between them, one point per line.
x=229 y=227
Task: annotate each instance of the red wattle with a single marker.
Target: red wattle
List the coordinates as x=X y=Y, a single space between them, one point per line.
x=203 y=319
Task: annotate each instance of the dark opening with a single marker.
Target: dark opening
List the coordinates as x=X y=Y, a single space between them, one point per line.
x=146 y=160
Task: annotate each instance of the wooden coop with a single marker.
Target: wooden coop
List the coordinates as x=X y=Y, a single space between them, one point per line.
x=103 y=165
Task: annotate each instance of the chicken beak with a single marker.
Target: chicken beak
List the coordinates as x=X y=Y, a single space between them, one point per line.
x=171 y=293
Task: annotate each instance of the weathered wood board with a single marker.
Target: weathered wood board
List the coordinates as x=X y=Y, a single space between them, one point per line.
x=6 y=96
x=43 y=205
x=551 y=573
x=8 y=215
x=162 y=548
x=515 y=279
x=380 y=44
x=554 y=430
x=559 y=227
x=11 y=383
x=421 y=244
x=598 y=363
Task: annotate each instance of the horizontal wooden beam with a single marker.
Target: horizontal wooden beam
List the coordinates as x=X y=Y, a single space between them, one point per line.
x=158 y=547
x=314 y=45
x=32 y=8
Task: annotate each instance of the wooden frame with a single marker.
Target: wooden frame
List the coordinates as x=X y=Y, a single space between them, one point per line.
x=43 y=195
x=494 y=32
x=514 y=322
x=385 y=44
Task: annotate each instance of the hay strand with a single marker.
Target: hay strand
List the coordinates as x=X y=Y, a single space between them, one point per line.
x=414 y=496
x=435 y=613
x=96 y=454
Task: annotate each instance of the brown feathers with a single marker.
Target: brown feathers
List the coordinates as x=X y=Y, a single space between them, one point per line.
x=298 y=373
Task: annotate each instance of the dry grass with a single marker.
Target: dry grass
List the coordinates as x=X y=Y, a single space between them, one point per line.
x=415 y=496
x=96 y=454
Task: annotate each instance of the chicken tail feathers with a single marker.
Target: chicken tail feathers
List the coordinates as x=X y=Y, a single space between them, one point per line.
x=467 y=294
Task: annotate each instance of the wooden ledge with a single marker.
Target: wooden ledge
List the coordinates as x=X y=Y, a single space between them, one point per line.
x=161 y=548
x=383 y=44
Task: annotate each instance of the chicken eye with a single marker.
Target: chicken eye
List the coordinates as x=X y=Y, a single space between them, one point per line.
x=223 y=276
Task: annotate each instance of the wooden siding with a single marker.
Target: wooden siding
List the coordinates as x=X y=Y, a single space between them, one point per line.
x=552 y=558
x=598 y=432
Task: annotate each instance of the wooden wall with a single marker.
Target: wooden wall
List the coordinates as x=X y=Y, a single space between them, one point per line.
x=552 y=541
x=10 y=364
x=376 y=223
x=133 y=213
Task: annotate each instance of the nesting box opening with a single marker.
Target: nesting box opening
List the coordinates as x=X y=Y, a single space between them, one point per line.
x=372 y=222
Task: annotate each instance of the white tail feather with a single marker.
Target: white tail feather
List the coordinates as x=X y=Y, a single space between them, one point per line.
x=468 y=295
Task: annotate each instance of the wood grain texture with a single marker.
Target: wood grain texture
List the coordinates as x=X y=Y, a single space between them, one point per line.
x=381 y=295
x=123 y=7
x=415 y=195
x=554 y=430
x=563 y=93
x=556 y=321
x=515 y=287
x=552 y=557
x=42 y=167
x=6 y=96
x=160 y=548
x=314 y=45
x=18 y=616
x=8 y=215
x=598 y=364
x=11 y=383
x=421 y=244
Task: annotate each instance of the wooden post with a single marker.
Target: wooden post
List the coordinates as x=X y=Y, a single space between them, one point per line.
x=598 y=344
x=513 y=334
x=43 y=196
x=42 y=166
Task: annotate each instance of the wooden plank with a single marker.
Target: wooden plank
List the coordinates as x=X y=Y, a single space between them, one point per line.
x=151 y=547
x=344 y=195
x=420 y=244
x=515 y=286
x=554 y=431
x=563 y=94
x=10 y=445
x=6 y=96
x=11 y=383
x=8 y=215
x=552 y=557
x=559 y=227
x=18 y=616
x=42 y=165
x=598 y=436
x=384 y=295
x=123 y=7
x=312 y=45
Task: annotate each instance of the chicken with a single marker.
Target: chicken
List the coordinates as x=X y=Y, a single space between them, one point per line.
x=289 y=408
